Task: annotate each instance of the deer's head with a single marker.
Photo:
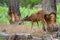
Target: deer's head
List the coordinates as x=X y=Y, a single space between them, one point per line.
x=51 y=22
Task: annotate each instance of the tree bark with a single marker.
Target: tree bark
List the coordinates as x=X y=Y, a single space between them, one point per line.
x=49 y=6
x=14 y=11
x=15 y=5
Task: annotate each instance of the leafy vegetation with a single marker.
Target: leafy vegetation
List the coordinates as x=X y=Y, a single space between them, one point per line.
x=4 y=18
x=1 y=38
x=29 y=3
x=58 y=14
x=24 y=3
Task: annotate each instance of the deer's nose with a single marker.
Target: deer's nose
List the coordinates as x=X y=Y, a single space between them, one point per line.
x=20 y=22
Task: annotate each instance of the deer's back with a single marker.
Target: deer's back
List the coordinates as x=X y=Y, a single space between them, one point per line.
x=37 y=16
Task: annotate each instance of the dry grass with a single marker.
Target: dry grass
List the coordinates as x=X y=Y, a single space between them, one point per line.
x=36 y=31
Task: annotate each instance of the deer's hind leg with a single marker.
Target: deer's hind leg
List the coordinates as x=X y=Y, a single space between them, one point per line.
x=32 y=25
x=45 y=26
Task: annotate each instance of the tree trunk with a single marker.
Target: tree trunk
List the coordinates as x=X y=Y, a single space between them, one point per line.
x=49 y=6
x=14 y=11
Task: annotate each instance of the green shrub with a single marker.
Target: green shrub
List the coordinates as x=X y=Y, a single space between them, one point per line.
x=4 y=18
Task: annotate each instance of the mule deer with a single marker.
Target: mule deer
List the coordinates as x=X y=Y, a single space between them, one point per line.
x=35 y=17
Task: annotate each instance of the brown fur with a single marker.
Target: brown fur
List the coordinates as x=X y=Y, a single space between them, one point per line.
x=35 y=17
x=51 y=21
x=50 y=18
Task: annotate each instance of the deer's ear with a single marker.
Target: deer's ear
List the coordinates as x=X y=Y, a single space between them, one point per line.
x=52 y=13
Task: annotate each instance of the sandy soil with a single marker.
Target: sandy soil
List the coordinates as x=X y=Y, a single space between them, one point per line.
x=8 y=28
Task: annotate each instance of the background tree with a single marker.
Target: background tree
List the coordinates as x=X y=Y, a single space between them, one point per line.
x=14 y=11
x=49 y=6
x=24 y=3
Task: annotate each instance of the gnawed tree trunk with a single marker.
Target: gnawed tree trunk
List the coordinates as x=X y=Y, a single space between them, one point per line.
x=14 y=11
x=49 y=6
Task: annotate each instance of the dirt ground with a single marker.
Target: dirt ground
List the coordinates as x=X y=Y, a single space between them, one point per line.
x=8 y=28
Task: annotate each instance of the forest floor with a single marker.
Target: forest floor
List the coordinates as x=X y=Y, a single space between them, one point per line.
x=35 y=30
x=8 y=28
